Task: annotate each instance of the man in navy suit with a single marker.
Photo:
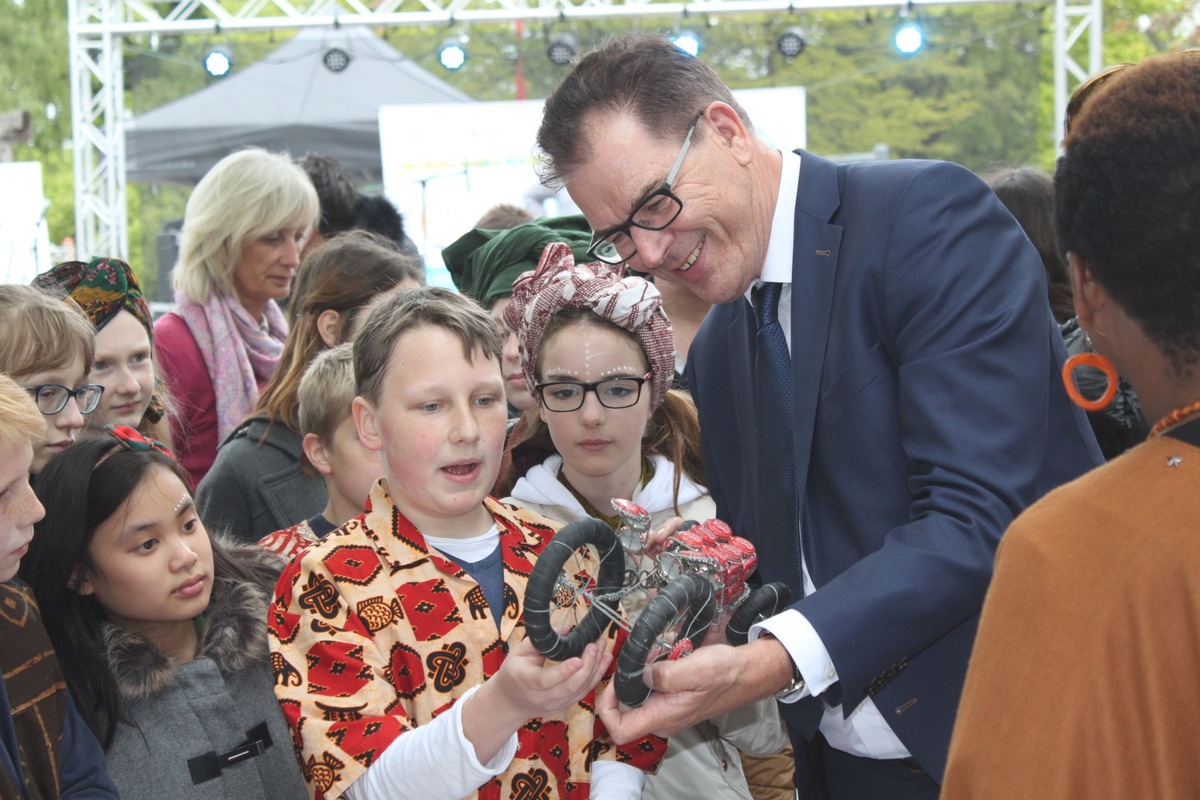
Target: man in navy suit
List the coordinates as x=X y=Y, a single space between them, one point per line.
x=926 y=404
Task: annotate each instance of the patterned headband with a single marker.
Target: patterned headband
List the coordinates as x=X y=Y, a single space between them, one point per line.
x=103 y=287
x=132 y=439
x=558 y=283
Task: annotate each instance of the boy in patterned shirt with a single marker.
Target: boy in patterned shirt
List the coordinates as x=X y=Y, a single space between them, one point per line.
x=332 y=447
x=399 y=652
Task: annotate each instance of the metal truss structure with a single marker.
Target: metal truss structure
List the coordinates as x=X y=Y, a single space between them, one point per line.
x=97 y=29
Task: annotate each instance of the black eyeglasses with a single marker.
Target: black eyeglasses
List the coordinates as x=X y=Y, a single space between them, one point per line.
x=612 y=393
x=51 y=398
x=656 y=212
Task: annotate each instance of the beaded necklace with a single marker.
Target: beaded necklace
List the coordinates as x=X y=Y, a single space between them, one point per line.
x=1174 y=417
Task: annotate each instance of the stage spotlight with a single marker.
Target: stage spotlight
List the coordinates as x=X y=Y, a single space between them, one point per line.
x=790 y=43
x=562 y=49
x=453 y=54
x=217 y=62
x=336 y=59
x=688 y=42
x=909 y=37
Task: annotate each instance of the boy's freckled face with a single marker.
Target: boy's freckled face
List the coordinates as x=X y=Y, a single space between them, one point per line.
x=440 y=426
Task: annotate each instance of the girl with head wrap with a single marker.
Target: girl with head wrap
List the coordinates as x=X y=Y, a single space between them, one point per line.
x=598 y=353
x=484 y=264
x=108 y=292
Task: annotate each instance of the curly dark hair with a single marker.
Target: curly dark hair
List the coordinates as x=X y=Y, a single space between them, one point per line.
x=1127 y=198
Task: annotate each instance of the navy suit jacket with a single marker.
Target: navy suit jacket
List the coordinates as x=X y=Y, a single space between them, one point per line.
x=928 y=412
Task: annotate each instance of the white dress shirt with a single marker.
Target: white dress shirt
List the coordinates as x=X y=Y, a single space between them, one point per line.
x=864 y=732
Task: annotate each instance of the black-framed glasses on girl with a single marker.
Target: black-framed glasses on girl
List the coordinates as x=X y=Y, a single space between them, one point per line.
x=565 y=396
x=51 y=398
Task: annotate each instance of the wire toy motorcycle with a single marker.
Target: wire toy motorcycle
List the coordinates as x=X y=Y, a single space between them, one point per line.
x=698 y=574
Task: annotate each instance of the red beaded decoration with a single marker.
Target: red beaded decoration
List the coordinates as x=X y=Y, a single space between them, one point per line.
x=1178 y=415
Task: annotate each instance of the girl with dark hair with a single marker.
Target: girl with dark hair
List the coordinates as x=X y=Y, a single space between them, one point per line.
x=599 y=357
x=259 y=482
x=160 y=630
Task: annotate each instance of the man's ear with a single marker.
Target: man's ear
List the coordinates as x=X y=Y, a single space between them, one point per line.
x=726 y=123
x=80 y=583
x=317 y=453
x=1089 y=296
x=329 y=327
x=366 y=421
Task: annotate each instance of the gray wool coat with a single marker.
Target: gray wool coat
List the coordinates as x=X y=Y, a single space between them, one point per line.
x=256 y=486
x=179 y=712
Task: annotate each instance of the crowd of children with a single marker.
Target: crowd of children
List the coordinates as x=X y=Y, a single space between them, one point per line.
x=376 y=647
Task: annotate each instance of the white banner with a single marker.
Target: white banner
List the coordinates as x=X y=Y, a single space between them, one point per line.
x=24 y=237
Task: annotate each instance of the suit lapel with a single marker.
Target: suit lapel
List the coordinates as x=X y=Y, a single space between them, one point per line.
x=815 y=249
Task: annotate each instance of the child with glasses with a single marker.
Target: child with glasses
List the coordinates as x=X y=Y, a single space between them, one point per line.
x=400 y=654
x=47 y=346
x=599 y=353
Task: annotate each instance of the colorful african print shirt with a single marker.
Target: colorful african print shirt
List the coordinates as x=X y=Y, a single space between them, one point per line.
x=373 y=634
x=290 y=541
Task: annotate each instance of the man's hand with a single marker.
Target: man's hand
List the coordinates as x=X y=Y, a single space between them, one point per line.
x=711 y=681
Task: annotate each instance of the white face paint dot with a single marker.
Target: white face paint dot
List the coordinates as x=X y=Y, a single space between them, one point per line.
x=624 y=370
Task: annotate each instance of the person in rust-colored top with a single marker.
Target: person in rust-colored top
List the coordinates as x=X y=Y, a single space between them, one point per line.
x=1083 y=682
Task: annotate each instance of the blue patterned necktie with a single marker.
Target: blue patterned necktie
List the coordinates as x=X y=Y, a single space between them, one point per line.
x=777 y=521
x=777 y=513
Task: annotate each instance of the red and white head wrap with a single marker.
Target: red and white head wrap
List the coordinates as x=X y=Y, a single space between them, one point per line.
x=631 y=303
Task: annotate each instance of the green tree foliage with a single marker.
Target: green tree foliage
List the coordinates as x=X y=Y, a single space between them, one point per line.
x=979 y=93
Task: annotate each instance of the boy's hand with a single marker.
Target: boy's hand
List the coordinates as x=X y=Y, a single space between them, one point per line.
x=544 y=688
x=527 y=686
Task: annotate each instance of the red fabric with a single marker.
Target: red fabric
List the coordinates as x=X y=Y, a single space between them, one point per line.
x=372 y=633
x=194 y=423
x=290 y=541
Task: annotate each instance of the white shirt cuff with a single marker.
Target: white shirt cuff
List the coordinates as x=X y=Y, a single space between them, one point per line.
x=614 y=780
x=807 y=651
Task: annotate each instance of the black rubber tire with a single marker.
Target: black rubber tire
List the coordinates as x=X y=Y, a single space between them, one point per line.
x=684 y=606
x=765 y=601
x=548 y=576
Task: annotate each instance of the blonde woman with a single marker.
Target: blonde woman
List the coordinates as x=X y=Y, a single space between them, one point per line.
x=244 y=227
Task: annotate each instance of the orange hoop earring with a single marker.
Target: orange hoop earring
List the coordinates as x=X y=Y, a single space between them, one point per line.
x=1098 y=362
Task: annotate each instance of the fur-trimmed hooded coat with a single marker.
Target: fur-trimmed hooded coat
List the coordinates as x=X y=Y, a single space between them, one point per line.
x=178 y=712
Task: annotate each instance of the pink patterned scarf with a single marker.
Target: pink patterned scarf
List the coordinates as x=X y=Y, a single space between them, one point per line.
x=238 y=353
x=630 y=303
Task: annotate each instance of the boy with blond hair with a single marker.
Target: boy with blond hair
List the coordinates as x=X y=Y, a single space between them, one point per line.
x=399 y=652
x=332 y=447
x=46 y=750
